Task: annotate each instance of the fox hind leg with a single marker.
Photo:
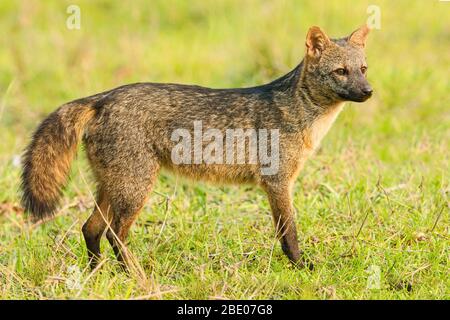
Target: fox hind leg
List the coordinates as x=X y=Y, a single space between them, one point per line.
x=128 y=196
x=95 y=226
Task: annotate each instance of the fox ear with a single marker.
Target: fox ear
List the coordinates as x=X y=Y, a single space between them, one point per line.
x=358 y=37
x=316 y=42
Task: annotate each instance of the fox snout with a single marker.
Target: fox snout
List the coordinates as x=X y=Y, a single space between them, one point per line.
x=364 y=94
x=360 y=91
x=367 y=91
x=358 y=94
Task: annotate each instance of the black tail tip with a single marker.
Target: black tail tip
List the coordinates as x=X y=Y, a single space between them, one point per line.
x=38 y=210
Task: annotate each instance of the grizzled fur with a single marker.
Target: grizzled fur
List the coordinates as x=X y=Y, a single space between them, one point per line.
x=127 y=134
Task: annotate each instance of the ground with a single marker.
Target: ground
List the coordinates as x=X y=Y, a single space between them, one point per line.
x=372 y=205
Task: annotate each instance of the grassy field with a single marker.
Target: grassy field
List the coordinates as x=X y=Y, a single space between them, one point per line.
x=372 y=204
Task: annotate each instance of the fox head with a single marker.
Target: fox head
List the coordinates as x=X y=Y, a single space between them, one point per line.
x=338 y=66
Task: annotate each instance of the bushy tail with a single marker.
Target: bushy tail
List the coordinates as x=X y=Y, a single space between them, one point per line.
x=46 y=162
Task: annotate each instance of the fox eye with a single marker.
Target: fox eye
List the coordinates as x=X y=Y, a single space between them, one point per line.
x=341 y=71
x=363 y=69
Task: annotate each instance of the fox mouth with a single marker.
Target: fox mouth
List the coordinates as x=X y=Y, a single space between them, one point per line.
x=362 y=98
x=356 y=97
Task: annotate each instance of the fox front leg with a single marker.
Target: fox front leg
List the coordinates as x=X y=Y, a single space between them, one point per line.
x=280 y=200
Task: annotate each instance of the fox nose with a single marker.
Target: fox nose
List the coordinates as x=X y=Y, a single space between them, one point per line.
x=367 y=91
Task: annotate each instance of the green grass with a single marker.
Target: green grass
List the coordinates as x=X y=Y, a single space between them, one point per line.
x=376 y=194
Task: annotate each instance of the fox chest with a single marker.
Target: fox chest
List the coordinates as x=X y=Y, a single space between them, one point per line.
x=319 y=128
